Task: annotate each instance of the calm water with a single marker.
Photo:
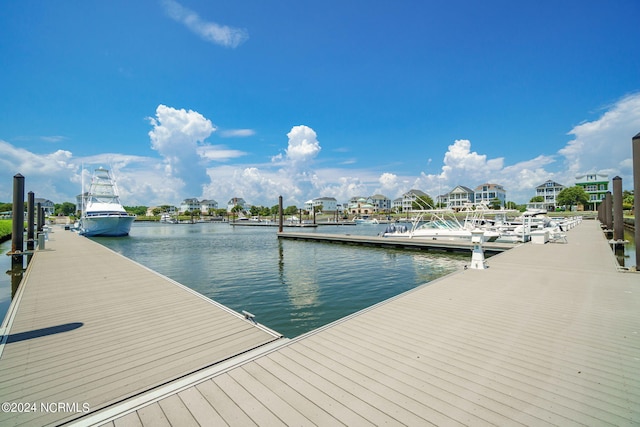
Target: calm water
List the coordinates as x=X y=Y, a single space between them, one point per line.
x=291 y=286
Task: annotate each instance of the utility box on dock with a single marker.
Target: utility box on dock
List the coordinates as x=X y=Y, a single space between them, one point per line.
x=539 y=237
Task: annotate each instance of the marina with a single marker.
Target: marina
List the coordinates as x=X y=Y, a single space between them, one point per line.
x=546 y=335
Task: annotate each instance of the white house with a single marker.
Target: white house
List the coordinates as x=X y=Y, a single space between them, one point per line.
x=460 y=197
x=328 y=204
x=549 y=191
x=207 y=206
x=236 y=201
x=412 y=196
x=487 y=193
x=189 y=205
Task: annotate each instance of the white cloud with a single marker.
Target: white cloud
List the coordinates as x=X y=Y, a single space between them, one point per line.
x=208 y=31
x=237 y=133
x=303 y=144
x=179 y=137
x=604 y=144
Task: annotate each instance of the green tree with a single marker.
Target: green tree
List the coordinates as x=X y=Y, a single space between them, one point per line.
x=422 y=202
x=291 y=210
x=66 y=208
x=571 y=196
x=511 y=205
x=495 y=203
x=627 y=199
x=536 y=199
x=138 y=210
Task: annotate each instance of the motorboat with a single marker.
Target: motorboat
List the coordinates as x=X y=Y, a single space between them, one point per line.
x=102 y=212
x=441 y=225
x=366 y=220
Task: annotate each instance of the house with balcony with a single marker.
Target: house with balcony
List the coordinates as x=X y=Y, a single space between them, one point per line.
x=549 y=191
x=48 y=207
x=236 y=201
x=596 y=185
x=189 y=205
x=327 y=204
x=380 y=203
x=411 y=197
x=460 y=197
x=208 y=206
x=487 y=193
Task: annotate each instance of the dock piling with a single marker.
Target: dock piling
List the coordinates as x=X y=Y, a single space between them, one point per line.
x=30 y=222
x=17 y=231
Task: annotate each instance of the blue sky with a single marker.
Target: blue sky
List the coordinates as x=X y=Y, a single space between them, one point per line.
x=306 y=99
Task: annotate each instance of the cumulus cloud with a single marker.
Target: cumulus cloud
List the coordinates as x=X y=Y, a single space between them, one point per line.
x=460 y=160
x=605 y=143
x=209 y=31
x=179 y=137
x=303 y=144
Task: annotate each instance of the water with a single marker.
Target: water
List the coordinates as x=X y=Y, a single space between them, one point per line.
x=290 y=286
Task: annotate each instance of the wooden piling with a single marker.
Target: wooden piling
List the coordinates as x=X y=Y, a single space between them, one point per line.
x=280 y=214
x=30 y=222
x=618 y=224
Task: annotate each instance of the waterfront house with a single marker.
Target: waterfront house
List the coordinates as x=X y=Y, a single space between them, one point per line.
x=396 y=205
x=460 y=196
x=442 y=200
x=189 y=205
x=328 y=204
x=549 y=191
x=380 y=203
x=487 y=193
x=236 y=201
x=208 y=206
x=596 y=185
x=412 y=196
x=47 y=206
x=361 y=206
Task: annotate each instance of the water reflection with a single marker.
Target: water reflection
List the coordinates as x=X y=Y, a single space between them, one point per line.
x=626 y=255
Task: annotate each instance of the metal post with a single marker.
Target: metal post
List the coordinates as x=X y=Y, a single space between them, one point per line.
x=636 y=190
x=280 y=214
x=17 y=231
x=618 y=225
x=30 y=222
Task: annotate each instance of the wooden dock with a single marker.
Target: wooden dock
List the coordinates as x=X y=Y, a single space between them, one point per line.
x=397 y=242
x=547 y=335
x=91 y=328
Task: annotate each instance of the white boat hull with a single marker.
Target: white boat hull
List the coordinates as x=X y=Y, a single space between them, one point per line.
x=106 y=225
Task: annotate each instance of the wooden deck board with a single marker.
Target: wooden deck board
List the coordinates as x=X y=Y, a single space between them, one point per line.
x=548 y=335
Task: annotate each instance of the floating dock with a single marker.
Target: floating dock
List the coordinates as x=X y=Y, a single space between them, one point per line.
x=398 y=242
x=549 y=334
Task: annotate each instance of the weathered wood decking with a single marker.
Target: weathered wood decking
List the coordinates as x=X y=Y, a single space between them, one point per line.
x=89 y=326
x=548 y=335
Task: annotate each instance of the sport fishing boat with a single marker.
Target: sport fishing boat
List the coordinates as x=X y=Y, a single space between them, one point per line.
x=102 y=212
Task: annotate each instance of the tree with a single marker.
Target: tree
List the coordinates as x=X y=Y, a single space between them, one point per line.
x=291 y=210
x=422 y=202
x=496 y=204
x=627 y=199
x=66 y=208
x=511 y=205
x=571 y=196
x=536 y=199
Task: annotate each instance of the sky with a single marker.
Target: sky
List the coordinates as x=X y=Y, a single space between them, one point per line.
x=306 y=99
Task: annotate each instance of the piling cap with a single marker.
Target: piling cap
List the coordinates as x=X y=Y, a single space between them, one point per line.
x=637 y=136
x=616 y=178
